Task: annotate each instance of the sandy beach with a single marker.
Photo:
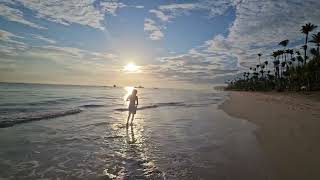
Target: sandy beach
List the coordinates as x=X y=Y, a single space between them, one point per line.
x=288 y=129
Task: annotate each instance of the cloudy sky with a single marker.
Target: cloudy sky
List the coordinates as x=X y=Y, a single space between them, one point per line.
x=174 y=43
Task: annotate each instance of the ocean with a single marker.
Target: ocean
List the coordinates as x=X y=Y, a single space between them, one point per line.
x=80 y=132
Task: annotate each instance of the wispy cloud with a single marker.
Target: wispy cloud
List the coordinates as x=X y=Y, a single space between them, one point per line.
x=16 y=15
x=7 y=36
x=166 y=13
x=139 y=7
x=111 y=6
x=10 y=43
x=160 y=15
x=176 y=7
x=51 y=41
x=67 y=64
x=153 y=29
x=197 y=66
x=84 y=12
x=67 y=12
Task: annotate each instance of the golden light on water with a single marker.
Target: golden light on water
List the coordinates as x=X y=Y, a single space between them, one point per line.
x=128 y=90
x=131 y=67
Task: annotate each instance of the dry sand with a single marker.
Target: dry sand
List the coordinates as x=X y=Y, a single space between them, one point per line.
x=288 y=129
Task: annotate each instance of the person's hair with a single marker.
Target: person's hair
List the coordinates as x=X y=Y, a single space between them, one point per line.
x=134 y=91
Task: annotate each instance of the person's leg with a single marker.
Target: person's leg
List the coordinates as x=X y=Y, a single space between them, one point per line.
x=128 y=118
x=132 y=118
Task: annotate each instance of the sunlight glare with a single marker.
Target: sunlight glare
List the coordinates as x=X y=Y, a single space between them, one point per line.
x=131 y=67
x=128 y=93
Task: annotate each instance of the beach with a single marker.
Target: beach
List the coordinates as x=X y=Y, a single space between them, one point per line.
x=287 y=129
x=79 y=132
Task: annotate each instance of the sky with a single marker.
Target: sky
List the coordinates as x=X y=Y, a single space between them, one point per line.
x=185 y=44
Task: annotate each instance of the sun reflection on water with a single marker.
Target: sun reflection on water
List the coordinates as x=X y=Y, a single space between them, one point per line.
x=128 y=90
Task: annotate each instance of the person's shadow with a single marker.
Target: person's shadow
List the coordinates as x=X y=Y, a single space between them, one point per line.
x=130 y=139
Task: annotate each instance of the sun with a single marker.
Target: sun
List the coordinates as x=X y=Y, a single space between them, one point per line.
x=131 y=67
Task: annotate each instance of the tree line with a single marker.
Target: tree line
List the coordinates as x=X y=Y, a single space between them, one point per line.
x=290 y=69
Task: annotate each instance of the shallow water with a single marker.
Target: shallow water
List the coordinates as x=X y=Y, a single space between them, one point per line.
x=176 y=134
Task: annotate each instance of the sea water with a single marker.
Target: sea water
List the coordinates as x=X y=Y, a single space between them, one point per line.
x=80 y=132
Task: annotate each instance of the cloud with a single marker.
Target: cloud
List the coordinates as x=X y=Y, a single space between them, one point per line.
x=111 y=6
x=7 y=36
x=214 y=8
x=43 y=39
x=67 y=12
x=58 y=64
x=85 y=12
x=196 y=66
x=16 y=15
x=153 y=29
x=160 y=15
x=73 y=53
x=139 y=7
x=10 y=43
x=166 y=13
x=260 y=25
x=175 y=7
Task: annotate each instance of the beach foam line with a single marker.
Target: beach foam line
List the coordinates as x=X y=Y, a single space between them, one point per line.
x=175 y=104
x=8 y=123
x=92 y=105
x=154 y=106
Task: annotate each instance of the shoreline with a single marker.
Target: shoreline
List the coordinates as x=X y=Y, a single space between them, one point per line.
x=288 y=129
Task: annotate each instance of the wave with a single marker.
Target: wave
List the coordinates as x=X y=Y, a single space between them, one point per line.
x=47 y=102
x=92 y=105
x=39 y=117
x=105 y=97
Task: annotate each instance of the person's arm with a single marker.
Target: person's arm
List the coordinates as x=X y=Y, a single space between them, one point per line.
x=128 y=98
x=137 y=101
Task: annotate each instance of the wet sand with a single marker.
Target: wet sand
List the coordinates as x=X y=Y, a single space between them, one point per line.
x=288 y=129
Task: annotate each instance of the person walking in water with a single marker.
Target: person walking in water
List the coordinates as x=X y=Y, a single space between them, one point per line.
x=133 y=98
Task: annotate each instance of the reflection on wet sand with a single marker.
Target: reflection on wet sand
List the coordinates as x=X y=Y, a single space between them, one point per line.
x=130 y=137
x=137 y=164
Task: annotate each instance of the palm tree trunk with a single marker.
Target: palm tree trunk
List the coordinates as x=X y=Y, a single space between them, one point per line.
x=259 y=60
x=285 y=57
x=305 y=49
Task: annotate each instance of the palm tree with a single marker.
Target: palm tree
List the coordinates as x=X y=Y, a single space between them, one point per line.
x=300 y=59
x=284 y=43
x=305 y=29
x=266 y=63
x=244 y=75
x=292 y=69
x=274 y=55
x=280 y=53
x=259 y=57
x=316 y=40
x=283 y=64
x=314 y=52
x=276 y=62
x=276 y=68
x=291 y=52
x=305 y=47
x=261 y=71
